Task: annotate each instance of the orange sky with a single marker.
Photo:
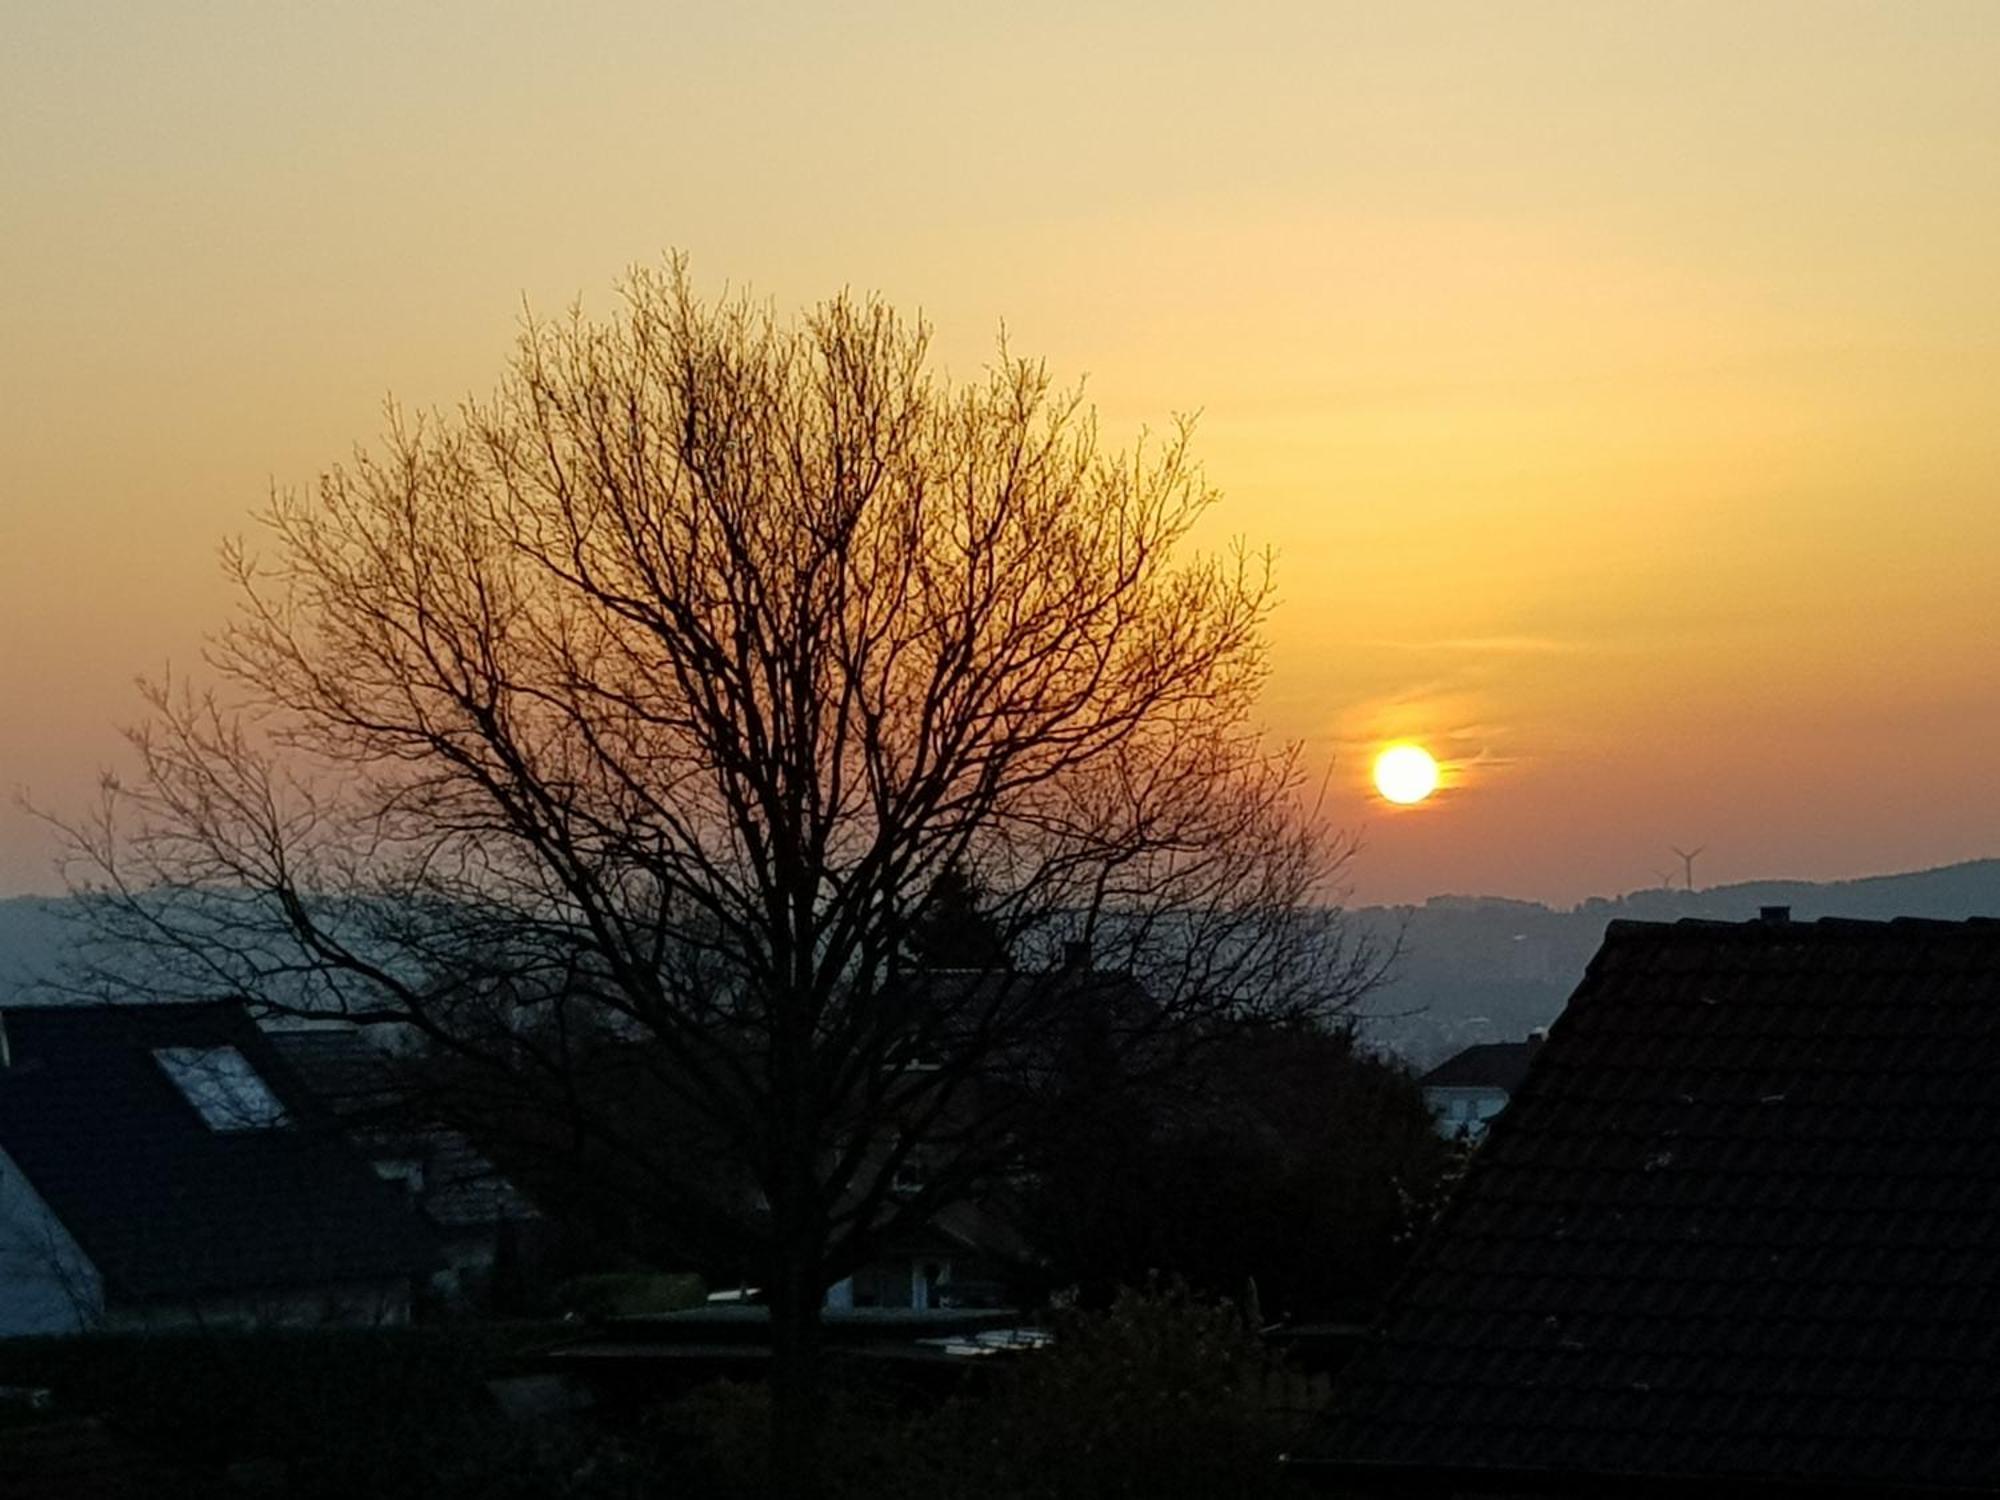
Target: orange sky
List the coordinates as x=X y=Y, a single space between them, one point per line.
x=1614 y=381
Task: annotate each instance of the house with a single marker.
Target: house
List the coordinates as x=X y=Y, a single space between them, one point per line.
x=161 y=1167
x=1055 y=1033
x=1468 y=1089
x=477 y=1215
x=965 y=1256
x=1736 y=1234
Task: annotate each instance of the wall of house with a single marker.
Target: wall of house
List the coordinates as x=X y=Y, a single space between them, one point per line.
x=470 y=1257
x=913 y=1283
x=47 y=1283
x=1464 y=1111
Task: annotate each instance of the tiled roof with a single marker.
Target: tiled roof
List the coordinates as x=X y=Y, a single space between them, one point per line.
x=346 y=1073
x=164 y=1206
x=359 y=1084
x=1741 y=1223
x=1493 y=1065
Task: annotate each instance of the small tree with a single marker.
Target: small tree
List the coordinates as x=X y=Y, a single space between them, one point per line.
x=1293 y=1160
x=954 y=932
x=635 y=717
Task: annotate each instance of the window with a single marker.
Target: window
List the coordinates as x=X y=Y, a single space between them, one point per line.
x=913 y=1173
x=409 y=1171
x=222 y=1086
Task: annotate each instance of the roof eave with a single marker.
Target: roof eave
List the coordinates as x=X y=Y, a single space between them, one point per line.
x=1376 y=1478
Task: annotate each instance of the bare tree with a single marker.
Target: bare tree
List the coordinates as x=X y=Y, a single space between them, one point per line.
x=636 y=711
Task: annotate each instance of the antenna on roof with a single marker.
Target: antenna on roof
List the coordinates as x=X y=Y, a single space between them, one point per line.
x=1687 y=863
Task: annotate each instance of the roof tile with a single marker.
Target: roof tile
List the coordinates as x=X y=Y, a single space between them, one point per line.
x=1740 y=1220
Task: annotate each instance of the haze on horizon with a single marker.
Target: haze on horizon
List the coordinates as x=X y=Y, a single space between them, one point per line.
x=1614 y=383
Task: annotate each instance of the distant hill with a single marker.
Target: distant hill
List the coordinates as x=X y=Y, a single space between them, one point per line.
x=34 y=936
x=1474 y=968
x=1481 y=968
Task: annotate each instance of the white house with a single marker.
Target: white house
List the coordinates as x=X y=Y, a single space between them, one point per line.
x=1467 y=1090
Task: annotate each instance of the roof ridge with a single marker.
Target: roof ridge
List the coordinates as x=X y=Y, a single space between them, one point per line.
x=1629 y=928
x=94 y=1007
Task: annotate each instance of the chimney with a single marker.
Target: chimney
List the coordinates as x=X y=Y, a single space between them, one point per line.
x=1076 y=956
x=1535 y=1039
x=1774 y=914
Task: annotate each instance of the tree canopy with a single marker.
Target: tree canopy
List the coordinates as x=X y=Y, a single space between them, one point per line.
x=668 y=704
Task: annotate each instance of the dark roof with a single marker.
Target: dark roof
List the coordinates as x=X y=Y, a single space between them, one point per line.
x=164 y=1206
x=348 y=1075
x=1491 y=1065
x=1742 y=1222
x=386 y=1119
x=985 y=1229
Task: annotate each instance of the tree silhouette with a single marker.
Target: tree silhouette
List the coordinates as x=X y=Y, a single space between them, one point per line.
x=622 y=721
x=1287 y=1157
x=953 y=930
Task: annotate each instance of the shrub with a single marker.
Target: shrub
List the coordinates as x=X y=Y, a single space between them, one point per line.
x=342 y=1413
x=1163 y=1394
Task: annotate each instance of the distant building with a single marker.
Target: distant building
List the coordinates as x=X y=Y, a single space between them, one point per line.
x=965 y=1257
x=1735 y=1235
x=476 y=1213
x=970 y=1252
x=1467 y=1090
x=161 y=1167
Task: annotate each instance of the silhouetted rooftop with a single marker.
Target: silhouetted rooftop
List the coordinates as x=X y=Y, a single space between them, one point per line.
x=165 y=1203
x=1494 y=1065
x=360 y=1085
x=1738 y=1228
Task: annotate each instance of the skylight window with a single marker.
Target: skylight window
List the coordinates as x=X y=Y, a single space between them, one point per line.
x=222 y=1086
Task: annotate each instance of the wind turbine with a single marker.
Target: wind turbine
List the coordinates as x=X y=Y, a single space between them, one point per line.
x=1687 y=863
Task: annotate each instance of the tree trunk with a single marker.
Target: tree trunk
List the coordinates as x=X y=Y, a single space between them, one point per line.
x=796 y=1405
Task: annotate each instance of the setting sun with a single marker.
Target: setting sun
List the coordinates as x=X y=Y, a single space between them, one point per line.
x=1405 y=774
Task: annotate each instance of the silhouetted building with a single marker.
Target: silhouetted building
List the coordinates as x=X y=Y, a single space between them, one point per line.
x=160 y=1166
x=1055 y=1034
x=476 y=1213
x=1468 y=1089
x=1735 y=1234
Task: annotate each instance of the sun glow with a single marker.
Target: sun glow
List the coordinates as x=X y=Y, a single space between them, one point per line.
x=1405 y=774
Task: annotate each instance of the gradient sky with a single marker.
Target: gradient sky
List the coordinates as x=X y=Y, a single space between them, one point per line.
x=1616 y=382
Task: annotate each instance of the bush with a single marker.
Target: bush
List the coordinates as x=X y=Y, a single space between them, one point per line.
x=1161 y=1395
x=1299 y=1159
x=389 y=1413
